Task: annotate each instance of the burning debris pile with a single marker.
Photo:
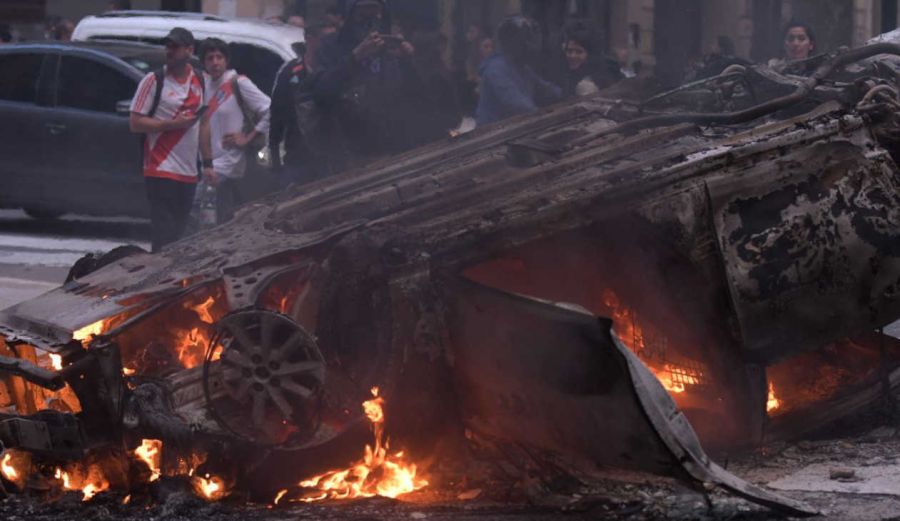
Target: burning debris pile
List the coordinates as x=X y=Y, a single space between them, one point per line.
x=571 y=282
x=378 y=473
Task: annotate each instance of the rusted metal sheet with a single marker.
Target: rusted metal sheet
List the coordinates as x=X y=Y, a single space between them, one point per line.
x=812 y=250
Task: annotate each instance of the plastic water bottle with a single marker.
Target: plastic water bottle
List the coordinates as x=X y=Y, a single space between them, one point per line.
x=207 y=205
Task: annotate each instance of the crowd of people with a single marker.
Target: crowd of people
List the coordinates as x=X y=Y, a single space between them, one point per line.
x=361 y=90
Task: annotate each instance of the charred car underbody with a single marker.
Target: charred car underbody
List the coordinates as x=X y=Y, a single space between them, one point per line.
x=740 y=246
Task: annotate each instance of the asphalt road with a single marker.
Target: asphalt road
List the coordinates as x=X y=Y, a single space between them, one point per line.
x=36 y=255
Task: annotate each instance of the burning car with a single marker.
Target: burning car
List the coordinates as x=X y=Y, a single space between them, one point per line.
x=587 y=285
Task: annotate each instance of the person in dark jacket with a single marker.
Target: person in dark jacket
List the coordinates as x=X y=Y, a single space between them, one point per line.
x=284 y=129
x=435 y=108
x=364 y=79
x=509 y=84
x=587 y=71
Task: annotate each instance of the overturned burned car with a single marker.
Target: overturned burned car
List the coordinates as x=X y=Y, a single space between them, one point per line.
x=589 y=284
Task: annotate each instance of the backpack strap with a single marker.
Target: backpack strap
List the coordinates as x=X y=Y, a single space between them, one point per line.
x=238 y=96
x=160 y=76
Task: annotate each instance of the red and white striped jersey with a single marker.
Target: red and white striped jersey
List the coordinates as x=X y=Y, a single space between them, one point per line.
x=171 y=154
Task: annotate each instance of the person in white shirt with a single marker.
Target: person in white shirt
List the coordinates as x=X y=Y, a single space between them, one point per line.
x=238 y=118
x=166 y=108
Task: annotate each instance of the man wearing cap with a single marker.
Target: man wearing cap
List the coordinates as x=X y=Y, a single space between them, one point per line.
x=166 y=109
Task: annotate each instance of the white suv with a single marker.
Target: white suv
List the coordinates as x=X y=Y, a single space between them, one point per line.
x=258 y=48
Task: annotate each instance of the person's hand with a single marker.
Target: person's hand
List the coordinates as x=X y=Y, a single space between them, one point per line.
x=183 y=120
x=372 y=45
x=236 y=140
x=210 y=176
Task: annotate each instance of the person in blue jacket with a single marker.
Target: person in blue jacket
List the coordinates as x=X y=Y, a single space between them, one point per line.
x=509 y=84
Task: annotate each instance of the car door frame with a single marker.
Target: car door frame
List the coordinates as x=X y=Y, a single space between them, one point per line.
x=121 y=195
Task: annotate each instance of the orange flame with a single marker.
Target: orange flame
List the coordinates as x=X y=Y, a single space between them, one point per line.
x=675 y=380
x=202 y=310
x=6 y=466
x=210 y=488
x=127 y=371
x=89 y=484
x=280 y=495
x=377 y=474
x=191 y=346
x=150 y=452
x=772 y=403
x=87 y=332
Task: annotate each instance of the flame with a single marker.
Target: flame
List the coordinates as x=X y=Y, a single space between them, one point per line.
x=643 y=342
x=377 y=474
x=202 y=310
x=772 y=403
x=8 y=469
x=89 y=484
x=150 y=452
x=87 y=332
x=191 y=346
x=127 y=371
x=210 y=488
x=56 y=361
x=674 y=379
x=280 y=495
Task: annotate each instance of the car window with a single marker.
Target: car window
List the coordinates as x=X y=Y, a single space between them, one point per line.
x=258 y=64
x=20 y=74
x=90 y=85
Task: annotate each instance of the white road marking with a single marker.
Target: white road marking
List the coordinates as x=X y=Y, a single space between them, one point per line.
x=53 y=251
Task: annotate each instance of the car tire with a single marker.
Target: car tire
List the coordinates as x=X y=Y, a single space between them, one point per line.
x=43 y=215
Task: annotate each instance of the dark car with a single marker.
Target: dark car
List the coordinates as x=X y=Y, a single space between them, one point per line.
x=65 y=145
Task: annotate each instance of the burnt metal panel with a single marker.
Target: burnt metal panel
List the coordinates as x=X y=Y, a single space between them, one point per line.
x=554 y=378
x=811 y=243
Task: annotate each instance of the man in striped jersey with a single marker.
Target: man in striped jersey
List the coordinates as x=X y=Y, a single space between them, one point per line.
x=166 y=108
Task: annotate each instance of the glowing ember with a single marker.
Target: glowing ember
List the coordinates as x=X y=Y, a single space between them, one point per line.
x=8 y=469
x=210 y=488
x=280 y=495
x=675 y=380
x=56 y=361
x=89 y=331
x=127 y=371
x=150 y=452
x=378 y=474
x=772 y=403
x=202 y=310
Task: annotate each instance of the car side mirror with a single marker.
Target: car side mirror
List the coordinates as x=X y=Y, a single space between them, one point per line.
x=123 y=107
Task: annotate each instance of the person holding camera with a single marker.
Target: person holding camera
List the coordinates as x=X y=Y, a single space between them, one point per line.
x=364 y=80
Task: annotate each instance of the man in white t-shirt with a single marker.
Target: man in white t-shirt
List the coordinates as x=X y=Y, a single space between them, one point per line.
x=166 y=108
x=230 y=97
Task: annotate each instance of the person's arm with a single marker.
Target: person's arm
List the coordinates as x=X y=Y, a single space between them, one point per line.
x=258 y=103
x=140 y=122
x=336 y=72
x=510 y=91
x=206 y=157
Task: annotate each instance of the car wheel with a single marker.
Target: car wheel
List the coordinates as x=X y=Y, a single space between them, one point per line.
x=43 y=215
